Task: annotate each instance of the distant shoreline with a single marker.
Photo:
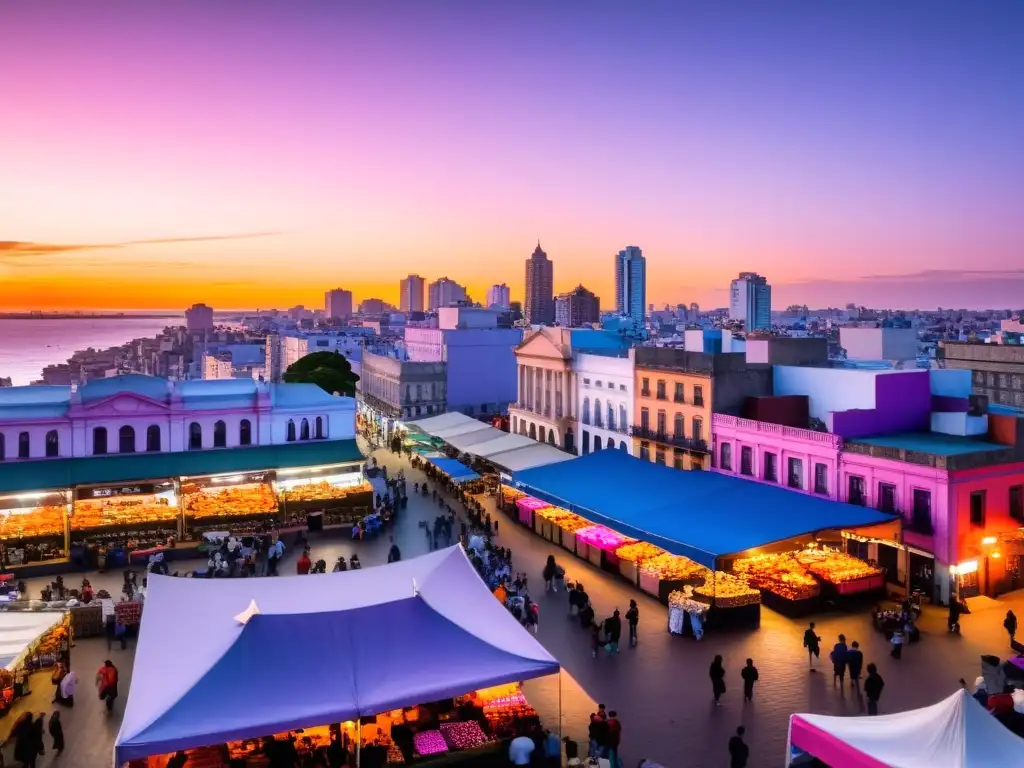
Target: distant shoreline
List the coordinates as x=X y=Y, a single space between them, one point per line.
x=85 y=316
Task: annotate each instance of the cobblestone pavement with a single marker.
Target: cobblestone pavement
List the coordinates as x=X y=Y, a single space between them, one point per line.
x=661 y=688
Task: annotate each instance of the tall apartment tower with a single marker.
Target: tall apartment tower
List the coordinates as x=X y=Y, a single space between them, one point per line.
x=631 y=284
x=445 y=292
x=410 y=293
x=338 y=304
x=499 y=296
x=750 y=300
x=539 y=307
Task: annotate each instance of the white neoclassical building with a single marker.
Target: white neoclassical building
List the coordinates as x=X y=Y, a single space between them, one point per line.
x=604 y=391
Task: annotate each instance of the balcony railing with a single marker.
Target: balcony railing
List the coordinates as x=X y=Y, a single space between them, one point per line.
x=676 y=441
x=764 y=427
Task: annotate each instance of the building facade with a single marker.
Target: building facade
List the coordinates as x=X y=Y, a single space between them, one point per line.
x=997 y=370
x=199 y=317
x=546 y=408
x=338 y=304
x=577 y=308
x=391 y=389
x=750 y=301
x=539 y=304
x=604 y=391
x=410 y=291
x=372 y=307
x=444 y=292
x=499 y=296
x=631 y=285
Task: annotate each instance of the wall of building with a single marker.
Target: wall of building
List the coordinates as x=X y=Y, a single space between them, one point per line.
x=902 y=404
x=828 y=389
x=696 y=418
x=789 y=410
x=961 y=424
x=894 y=344
x=482 y=368
x=785 y=350
x=608 y=380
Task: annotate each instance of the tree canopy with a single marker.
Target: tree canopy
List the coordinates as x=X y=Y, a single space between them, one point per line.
x=328 y=370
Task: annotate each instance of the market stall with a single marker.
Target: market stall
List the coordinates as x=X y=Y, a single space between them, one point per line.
x=341 y=493
x=527 y=506
x=632 y=557
x=562 y=527
x=356 y=625
x=601 y=544
x=32 y=527
x=785 y=583
x=241 y=503
x=107 y=522
x=29 y=642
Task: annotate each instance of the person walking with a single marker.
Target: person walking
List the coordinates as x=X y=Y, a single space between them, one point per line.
x=854 y=663
x=897 y=643
x=739 y=752
x=613 y=631
x=717 y=675
x=597 y=732
x=1010 y=625
x=614 y=737
x=394 y=554
x=873 y=686
x=106 y=682
x=750 y=676
x=57 y=733
x=812 y=644
x=595 y=638
x=39 y=730
x=838 y=657
x=550 y=568
x=632 y=619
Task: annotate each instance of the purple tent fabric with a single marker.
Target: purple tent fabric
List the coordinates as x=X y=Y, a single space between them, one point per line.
x=317 y=650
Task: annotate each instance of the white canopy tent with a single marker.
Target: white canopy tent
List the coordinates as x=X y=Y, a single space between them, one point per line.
x=18 y=630
x=468 y=441
x=500 y=443
x=957 y=732
x=536 y=455
x=434 y=423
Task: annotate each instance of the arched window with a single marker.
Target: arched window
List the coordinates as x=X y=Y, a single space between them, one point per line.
x=533 y=431
x=586 y=410
x=698 y=428
x=290 y=437
x=597 y=443
x=570 y=444
x=24 y=445
x=611 y=416
x=678 y=426
x=598 y=417
x=153 y=438
x=304 y=430
x=622 y=418
x=245 y=432
x=99 y=441
x=551 y=437
x=543 y=434
x=611 y=444
x=126 y=440
x=52 y=444
x=220 y=435
x=318 y=428
x=622 y=447
x=195 y=436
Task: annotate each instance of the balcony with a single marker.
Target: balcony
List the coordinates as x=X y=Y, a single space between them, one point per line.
x=676 y=441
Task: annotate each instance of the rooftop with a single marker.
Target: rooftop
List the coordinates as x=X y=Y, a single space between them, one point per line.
x=933 y=443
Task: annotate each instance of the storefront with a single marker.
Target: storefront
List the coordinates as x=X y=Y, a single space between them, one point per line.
x=33 y=527
x=123 y=517
x=239 y=503
x=340 y=493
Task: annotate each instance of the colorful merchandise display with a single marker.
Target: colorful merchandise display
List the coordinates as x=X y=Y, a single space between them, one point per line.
x=603 y=538
x=639 y=552
x=527 y=507
x=317 y=491
x=430 y=743
x=779 y=574
x=462 y=735
x=141 y=510
x=32 y=523
x=845 y=572
x=211 y=502
x=727 y=591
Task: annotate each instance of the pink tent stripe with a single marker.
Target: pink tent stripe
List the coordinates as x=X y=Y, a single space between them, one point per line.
x=827 y=747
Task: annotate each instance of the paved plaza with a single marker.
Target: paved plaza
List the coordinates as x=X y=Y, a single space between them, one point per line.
x=661 y=688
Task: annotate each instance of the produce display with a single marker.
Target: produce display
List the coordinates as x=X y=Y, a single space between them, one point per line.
x=602 y=538
x=638 y=552
x=321 y=490
x=123 y=510
x=429 y=743
x=36 y=523
x=248 y=499
x=779 y=574
x=678 y=599
x=567 y=521
x=835 y=567
x=727 y=591
x=463 y=735
x=674 y=568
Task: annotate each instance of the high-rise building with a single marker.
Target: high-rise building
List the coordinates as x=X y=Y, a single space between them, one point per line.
x=411 y=294
x=444 y=292
x=750 y=301
x=338 y=304
x=539 y=306
x=499 y=296
x=577 y=308
x=631 y=284
x=199 y=317
x=372 y=307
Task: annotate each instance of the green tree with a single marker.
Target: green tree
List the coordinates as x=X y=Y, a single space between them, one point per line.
x=328 y=370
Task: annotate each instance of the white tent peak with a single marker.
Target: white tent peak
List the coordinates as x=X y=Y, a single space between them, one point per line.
x=415 y=589
x=248 y=613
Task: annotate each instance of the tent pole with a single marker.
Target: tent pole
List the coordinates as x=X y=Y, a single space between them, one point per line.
x=560 y=734
x=359 y=741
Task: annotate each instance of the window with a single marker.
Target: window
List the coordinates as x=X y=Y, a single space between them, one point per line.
x=887 y=497
x=678 y=395
x=245 y=432
x=698 y=396
x=290 y=431
x=597 y=413
x=195 y=436
x=586 y=410
x=99 y=441
x=318 y=425
x=771 y=469
x=795 y=473
x=855 y=490
x=126 y=440
x=747 y=461
x=645 y=451
x=726 y=459
x=662 y=423
x=1016 y=502
x=622 y=418
x=585 y=445
x=597 y=443
x=611 y=416
x=677 y=460
x=597 y=382
x=543 y=434
x=610 y=445
x=645 y=387
x=659 y=457
x=586 y=381
x=622 y=387
x=52 y=444
x=645 y=419
x=921 y=514
x=220 y=435
x=978 y=508
x=661 y=390
x=698 y=428
x=24 y=445
x=622 y=446
x=304 y=429
x=152 y=438
x=821 y=479
x=677 y=426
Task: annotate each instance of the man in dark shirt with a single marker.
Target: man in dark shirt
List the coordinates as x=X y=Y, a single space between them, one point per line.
x=873 y=688
x=572 y=749
x=739 y=752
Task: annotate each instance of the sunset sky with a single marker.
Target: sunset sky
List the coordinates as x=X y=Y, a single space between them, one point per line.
x=253 y=154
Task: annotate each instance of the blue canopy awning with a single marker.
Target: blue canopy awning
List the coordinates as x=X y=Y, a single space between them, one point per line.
x=700 y=515
x=454 y=468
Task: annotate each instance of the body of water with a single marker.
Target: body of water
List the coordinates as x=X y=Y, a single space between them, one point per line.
x=28 y=346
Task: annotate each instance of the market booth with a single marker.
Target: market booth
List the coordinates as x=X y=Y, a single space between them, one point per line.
x=32 y=526
x=29 y=642
x=341 y=493
x=957 y=732
x=379 y=643
x=235 y=502
x=691 y=538
x=108 y=521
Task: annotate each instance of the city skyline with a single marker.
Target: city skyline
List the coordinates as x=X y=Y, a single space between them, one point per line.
x=180 y=156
